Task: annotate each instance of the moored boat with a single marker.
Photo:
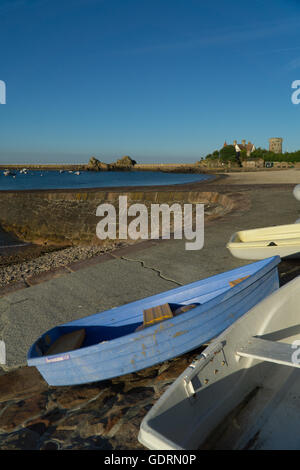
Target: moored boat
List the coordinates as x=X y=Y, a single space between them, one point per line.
x=243 y=390
x=149 y=331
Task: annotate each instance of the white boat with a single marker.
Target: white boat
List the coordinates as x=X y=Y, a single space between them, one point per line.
x=296 y=192
x=243 y=391
x=255 y=244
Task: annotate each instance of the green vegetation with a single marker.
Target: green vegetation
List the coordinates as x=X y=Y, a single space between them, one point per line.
x=291 y=157
x=228 y=153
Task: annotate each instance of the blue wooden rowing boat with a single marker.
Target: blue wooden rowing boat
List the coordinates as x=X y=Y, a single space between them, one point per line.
x=112 y=343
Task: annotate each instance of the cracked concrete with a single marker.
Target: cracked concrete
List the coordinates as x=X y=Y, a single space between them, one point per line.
x=143 y=264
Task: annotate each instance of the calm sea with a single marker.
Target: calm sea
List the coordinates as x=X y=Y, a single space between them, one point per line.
x=87 y=179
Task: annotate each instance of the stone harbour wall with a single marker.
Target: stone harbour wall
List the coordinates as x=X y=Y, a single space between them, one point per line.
x=69 y=217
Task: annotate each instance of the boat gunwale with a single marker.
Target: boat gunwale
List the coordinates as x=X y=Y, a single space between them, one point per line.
x=267 y=266
x=266 y=234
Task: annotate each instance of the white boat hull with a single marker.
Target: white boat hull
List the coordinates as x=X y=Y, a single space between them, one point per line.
x=243 y=391
x=261 y=243
x=296 y=192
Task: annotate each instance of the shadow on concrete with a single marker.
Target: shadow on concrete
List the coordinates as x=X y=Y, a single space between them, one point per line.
x=10 y=243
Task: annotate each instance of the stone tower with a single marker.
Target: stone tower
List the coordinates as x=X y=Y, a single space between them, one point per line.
x=275 y=144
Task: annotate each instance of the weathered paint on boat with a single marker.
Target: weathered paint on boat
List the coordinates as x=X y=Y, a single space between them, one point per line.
x=113 y=347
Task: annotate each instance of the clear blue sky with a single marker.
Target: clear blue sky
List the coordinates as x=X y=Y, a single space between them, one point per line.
x=159 y=80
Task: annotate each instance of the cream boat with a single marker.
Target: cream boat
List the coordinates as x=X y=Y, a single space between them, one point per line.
x=281 y=240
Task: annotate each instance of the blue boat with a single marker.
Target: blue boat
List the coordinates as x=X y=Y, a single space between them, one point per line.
x=119 y=341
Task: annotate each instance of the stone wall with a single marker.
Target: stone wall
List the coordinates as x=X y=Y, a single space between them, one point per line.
x=164 y=166
x=65 y=217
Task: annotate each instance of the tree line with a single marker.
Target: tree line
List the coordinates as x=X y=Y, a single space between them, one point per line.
x=228 y=153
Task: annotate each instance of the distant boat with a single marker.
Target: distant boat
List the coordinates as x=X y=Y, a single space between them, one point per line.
x=260 y=243
x=243 y=390
x=133 y=337
x=77 y=173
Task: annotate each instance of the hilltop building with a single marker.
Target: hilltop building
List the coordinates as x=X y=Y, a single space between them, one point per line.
x=243 y=146
x=275 y=144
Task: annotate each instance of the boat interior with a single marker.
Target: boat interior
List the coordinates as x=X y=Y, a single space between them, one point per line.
x=267 y=418
x=244 y=392
x=67 y=338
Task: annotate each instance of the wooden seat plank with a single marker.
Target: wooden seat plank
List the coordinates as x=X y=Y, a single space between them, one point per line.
x=157 y=314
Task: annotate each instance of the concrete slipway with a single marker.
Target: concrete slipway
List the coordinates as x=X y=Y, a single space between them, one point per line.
x=131 y=274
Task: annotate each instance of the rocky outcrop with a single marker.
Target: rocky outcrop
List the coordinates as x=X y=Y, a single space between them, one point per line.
x=125 y=162
x=95 y=165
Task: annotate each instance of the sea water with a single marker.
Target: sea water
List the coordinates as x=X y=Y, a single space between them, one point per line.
x=50 y=179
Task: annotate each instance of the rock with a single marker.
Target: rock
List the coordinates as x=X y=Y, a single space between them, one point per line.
x=46 y=420
x=128 y=432
x=136 y=395
x=50 y=445
x=21 y=382
x=95 y=165
x=125 y=162
x=16 y=414
x=94 y=443
x=75 y=397
x=24 y=439
x=107 y=426
x=173 y=371
x=92 y=429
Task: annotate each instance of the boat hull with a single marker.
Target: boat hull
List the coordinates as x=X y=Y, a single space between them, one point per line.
x=296 y=192
x=256 y=244
x=165 y=340
x=231 y=399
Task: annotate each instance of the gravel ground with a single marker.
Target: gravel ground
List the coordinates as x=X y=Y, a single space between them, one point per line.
x=13 y=268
